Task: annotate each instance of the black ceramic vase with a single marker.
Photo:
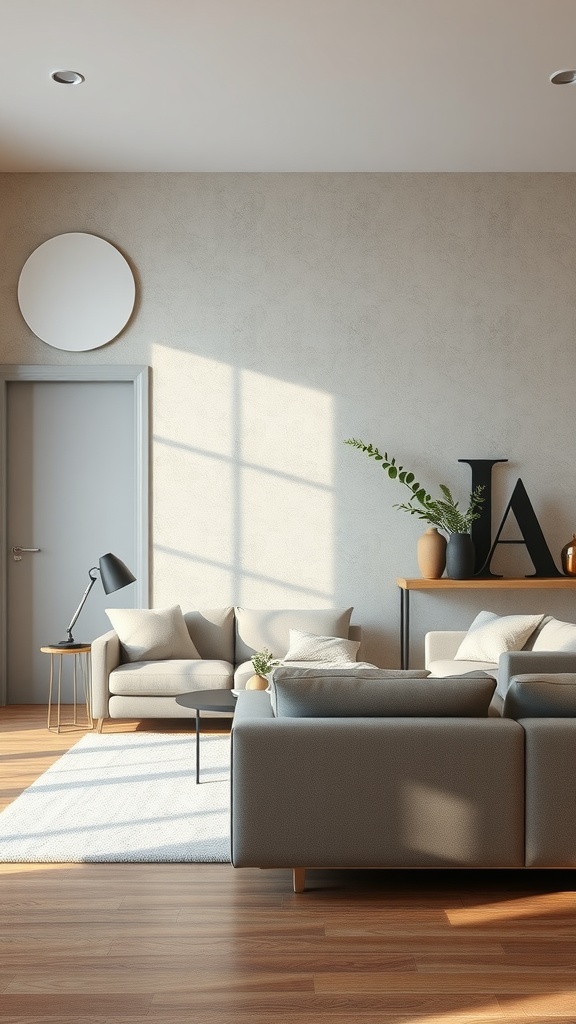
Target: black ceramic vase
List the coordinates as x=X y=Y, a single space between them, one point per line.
x=460 y=556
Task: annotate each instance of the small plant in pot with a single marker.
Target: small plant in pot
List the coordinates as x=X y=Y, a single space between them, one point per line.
x=443 y=513
x=262 y=662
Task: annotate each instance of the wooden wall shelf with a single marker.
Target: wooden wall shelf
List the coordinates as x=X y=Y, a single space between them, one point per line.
x=475 y=583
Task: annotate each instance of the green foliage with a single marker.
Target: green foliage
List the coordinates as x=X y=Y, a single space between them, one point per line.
x=444 y=513
x=263 y=662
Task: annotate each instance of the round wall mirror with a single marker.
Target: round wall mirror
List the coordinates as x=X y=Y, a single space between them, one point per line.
x=76 y=292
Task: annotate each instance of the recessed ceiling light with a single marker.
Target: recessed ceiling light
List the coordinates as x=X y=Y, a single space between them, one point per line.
x=563 y=78
x=67 y=77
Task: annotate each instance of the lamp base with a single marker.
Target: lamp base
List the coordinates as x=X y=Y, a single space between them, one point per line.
x=68 y=645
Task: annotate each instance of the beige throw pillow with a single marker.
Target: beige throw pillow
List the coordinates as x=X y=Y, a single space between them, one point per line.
x=556 y=636
x=153 y=634
x=311 y=647
x=491 y=635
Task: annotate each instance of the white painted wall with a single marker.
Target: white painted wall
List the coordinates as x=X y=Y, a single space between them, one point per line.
x=433 y=314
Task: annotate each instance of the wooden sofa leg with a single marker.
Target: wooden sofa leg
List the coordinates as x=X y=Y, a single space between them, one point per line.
x=100 y=725
x=299 y=879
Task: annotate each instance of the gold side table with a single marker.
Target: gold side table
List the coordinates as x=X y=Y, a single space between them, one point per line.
x=81 y=669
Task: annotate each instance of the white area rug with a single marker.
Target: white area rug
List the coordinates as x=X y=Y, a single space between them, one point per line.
x=125 y=797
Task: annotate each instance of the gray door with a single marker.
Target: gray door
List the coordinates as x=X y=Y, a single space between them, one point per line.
x=71 y=493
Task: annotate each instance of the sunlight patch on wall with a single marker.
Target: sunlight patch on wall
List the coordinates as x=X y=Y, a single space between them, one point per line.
x=287 y=536
x=193 y=482
x=193 y=400
x=242 y=482
x=190 y=582
x=286 y=492
x=287 y=428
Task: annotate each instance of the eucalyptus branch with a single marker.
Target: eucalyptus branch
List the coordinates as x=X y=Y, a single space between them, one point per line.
x=444 y=513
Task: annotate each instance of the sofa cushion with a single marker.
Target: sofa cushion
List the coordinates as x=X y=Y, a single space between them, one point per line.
x=491 y=635
x=446 y=667
x=556 y=636
x=169 y=678
x=259 y=628
x=311 y=647
x=373 y=692
x=541 y=696
x=212 y=632
x=152 y=634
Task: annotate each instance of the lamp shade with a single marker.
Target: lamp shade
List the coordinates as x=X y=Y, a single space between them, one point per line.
x=113 y=573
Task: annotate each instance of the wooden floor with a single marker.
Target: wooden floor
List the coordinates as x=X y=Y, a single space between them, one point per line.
x=207 y=944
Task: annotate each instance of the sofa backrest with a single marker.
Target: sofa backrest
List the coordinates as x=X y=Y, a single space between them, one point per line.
x=541 y=696
x=377 y=693
x=235 y=634
x=553 y=635
x=257 y=628
x=212 y=632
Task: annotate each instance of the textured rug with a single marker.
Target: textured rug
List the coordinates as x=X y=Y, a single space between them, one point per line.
x=125 y=797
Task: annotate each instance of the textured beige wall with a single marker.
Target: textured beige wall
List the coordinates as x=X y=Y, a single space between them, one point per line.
x=432 y=314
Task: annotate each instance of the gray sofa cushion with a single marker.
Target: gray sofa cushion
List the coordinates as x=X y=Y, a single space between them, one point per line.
x=541 y=696
x=259 y=628
x=377 y=693
x=168 y=678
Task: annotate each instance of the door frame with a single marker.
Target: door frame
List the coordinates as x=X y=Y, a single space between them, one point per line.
x=139 y=377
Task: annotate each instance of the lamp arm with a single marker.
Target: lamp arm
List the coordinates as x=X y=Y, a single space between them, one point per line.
x=82 y=602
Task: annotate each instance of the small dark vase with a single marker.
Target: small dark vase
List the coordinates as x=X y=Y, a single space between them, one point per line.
x=460 y=556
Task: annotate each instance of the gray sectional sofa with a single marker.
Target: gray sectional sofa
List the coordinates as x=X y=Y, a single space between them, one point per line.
x=225 y=638
x=341 y=770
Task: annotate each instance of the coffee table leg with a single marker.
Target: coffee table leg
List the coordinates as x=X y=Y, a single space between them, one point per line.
x=197 y=746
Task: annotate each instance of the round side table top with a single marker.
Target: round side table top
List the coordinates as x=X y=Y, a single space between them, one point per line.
x=85 y=649
x=208 y=700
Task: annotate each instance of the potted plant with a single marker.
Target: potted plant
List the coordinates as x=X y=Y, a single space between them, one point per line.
x=443 y=513
x=262 y=662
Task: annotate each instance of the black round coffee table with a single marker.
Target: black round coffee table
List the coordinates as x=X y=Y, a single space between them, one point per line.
x=206 y=700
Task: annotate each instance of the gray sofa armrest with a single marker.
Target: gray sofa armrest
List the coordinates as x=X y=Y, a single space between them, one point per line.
x=518 y=663
x=550 y=802
x=252 y=706
x=106 y=656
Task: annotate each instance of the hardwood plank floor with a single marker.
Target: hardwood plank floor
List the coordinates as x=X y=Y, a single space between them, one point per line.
x=207 y=944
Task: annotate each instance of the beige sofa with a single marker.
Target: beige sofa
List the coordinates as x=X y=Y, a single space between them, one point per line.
x=373 y=772
x=225 y=638
x=440 y=648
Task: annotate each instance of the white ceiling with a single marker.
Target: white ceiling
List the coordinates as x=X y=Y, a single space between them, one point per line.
x=287 y=85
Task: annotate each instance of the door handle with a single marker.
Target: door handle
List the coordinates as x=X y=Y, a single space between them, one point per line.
x=17 y=552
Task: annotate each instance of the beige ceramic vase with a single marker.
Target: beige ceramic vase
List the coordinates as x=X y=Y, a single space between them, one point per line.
x=432 y=554
x=257 y=683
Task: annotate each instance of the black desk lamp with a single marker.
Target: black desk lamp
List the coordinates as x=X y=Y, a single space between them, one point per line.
x=114 y=575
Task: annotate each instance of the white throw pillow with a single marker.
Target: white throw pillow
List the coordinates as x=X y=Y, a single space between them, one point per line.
x=153 y=634
x=310 y=647
x=491 y=635
x=556 y=636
